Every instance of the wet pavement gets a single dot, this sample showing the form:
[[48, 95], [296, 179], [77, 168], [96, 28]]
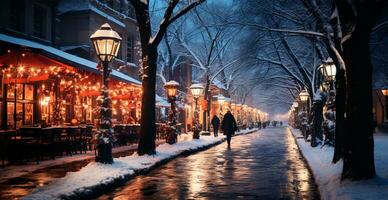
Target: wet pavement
[[18, 187], [263, 165]]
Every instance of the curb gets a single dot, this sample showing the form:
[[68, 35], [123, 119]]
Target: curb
[[306, 161], [98, 190]]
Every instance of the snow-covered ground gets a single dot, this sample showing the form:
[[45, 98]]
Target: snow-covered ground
[[96, 175], [14, 171], [327, 175]]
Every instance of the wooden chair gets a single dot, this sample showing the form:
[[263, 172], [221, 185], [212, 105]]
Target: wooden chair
[[5, 138], [47, 146], [86, 138], [27, 143]]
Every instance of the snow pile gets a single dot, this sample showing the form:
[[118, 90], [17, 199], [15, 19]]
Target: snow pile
[[97, 175], [318, 95], [327, 175]]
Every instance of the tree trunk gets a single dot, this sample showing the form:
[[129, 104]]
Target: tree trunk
[[148, 127], [148, 75], [149, 46], [317, 122], [359, 150], [208, 98], [340, 106]]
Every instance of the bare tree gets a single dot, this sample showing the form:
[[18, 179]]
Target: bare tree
[[208, 46], [343, 31], [149, 48]]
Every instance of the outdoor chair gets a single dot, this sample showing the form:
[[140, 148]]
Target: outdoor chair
[[75, 139], [86, 137], [64, 140], [5, 138], [26, 144], [46, 144], [120, 137]]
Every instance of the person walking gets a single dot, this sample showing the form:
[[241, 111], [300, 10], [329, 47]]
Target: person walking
[[216, 124], [228, 126]]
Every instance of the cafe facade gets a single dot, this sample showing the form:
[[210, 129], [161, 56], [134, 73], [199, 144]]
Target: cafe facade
[[44, 86]]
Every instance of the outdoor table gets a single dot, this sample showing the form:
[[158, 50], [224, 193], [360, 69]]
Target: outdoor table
[[126, 133], [5, 137]]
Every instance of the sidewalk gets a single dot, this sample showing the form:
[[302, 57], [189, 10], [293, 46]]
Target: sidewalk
[[95, 177], [327, 175], [19, 180]]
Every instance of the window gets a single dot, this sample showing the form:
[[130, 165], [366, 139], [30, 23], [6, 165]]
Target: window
[[11, 91], [17, 15], [24, 104], [28, 113], [129, 49], [40, 22], [29, 92]]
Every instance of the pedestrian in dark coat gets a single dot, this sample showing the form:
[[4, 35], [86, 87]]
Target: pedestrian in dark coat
[[216, 124], [228, 126]]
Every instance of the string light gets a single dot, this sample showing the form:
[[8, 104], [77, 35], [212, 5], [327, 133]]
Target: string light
[[78, 82]]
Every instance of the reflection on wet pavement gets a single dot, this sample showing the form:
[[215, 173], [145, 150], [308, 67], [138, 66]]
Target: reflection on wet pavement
[[263, 165], [16, 188]]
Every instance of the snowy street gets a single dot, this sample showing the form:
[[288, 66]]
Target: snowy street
[[262, 165], [193, 99], [81, 184]]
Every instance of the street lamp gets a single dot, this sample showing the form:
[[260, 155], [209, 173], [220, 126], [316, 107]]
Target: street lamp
[[106, 43], [304, 96], [196, 90], [328, 69], [171, 91]]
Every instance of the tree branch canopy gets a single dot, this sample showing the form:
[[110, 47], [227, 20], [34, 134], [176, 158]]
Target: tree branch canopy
[[167, 19]]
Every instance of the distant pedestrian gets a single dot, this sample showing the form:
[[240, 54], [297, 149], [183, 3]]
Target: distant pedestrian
[[228, 126], [216, 124]]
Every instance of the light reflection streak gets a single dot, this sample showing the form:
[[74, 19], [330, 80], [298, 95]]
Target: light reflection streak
[[297, 173]]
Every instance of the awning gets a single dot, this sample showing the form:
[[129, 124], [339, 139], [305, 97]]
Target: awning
[[66, 57]]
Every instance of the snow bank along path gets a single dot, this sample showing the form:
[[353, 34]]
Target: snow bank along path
[[328, 175], [96, 177]]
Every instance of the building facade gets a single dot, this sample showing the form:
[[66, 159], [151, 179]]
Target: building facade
[[84, 17], [49, 71]]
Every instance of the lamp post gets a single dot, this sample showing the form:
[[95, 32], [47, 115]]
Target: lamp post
[[303, 98], [106, 43], [196, 90], [233, 108], [295, 106], [171, 91], [221, 100], [328, 71]]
